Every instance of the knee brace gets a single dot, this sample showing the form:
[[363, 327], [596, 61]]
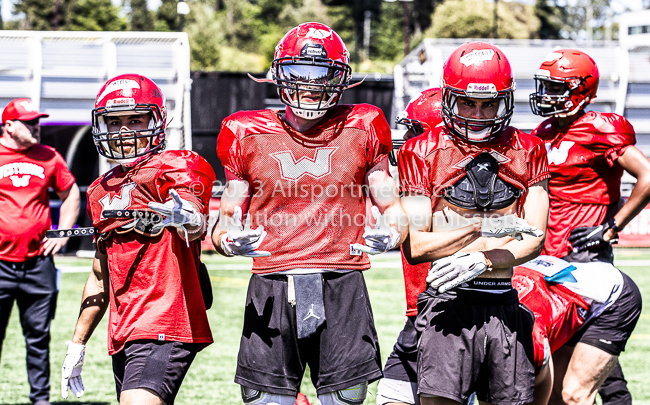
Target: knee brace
[[354, 395], [255, 397]]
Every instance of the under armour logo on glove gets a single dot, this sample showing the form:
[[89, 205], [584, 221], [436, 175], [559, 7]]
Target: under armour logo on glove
[[379, 239], [242, 241], [454, 270], [177, 213], [508, 225]]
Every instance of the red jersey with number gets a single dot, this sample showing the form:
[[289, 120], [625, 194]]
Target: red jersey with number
[[307, 188], [435, 160], [25, 176], [559, 312], [584, 176], [154, 277]]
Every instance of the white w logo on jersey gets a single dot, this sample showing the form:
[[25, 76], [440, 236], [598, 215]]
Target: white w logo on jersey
[[558, 156], [319, 166], [120, 201], [20, 181]]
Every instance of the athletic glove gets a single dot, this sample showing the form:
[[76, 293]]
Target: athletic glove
[[379, 239], [454, 270], [590, 237], [507, 225], [242, 241], [177, 213], [71, 371]]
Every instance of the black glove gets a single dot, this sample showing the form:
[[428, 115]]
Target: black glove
[[590, 237]]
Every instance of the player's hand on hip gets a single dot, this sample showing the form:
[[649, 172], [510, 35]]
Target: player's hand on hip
[[454, 270], [589, 237], [52, 246], [379, 239], [507, 225], [243, 241], [178, 213], [71, 371]]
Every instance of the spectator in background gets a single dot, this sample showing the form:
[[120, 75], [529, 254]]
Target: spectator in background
[[27, 273]]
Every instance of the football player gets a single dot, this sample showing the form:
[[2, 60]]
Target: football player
[[301, 174], [587, 153], [566, 299], [146, 270], [475, 193]]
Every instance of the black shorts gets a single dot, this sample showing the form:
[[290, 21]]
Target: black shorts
[[343, 352], [402, 364], [611, 330], [158, 366], [475, 341]]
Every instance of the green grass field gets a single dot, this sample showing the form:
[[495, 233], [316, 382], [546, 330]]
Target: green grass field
[[210, 379]]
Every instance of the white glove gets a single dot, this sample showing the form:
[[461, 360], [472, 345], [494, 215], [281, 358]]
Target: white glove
[[454, 270], [71, 371], [177, 213], [242, 241], [379, 239], [507, 225]]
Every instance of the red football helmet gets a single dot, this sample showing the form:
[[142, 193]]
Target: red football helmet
[[129, 94], [422, 112], [575, 72], [311, 69], [477, 70]]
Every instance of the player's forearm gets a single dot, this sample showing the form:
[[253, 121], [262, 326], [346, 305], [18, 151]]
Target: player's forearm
[[639, 199], [516, 252], [217, 234], [396, 217], [429, 246], [69, 210], [93, 306]]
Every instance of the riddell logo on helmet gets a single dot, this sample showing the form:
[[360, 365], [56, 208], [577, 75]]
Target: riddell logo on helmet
[[477, 56], [120, 102], [313, 51]]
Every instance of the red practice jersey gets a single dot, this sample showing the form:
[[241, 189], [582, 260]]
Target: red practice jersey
[[584, 176], [24, 202], [435, 160], [307, 189], [559, 312], [155, 291]]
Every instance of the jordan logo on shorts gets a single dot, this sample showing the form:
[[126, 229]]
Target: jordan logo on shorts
[[311, 314]]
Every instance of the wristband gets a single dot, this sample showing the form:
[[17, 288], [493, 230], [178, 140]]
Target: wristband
[[612, 225]]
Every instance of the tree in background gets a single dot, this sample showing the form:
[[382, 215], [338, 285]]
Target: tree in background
[[39, 14], [140, 18], [95, 15], [552, 19], [166, 16], [474, 19]]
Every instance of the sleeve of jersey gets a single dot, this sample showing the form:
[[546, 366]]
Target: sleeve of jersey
[[229, 150], [413, 171], [622, 138], [379, 142], [192, 178], [537, 164], [63, 178]]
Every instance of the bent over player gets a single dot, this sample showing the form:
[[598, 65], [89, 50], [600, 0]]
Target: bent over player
[[302, 174], [475, 193], [145, 270], [587, 153]]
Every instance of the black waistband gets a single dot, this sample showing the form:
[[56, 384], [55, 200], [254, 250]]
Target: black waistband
[[489, 284]]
